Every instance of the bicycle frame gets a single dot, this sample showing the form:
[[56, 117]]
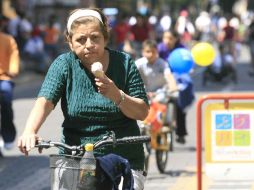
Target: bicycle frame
[[161, 131]]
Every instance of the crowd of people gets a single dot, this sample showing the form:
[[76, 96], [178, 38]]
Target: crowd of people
[[92, 105], [37, 44], [129, 31]]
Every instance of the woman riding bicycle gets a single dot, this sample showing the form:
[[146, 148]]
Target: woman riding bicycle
[[92, 106]]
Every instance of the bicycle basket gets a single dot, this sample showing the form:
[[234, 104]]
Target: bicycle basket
[[64, 171]]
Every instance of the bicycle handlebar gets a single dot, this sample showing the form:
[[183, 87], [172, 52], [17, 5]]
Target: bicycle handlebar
[[49, 144], [169, 95], [125, 140], [110, 140]]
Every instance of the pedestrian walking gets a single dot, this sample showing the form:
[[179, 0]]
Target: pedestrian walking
[[184, 101], [9, 68]]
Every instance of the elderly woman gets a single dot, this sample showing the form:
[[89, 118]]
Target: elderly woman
[[92, 105]]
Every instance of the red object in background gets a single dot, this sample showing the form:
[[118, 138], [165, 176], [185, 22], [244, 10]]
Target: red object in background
[[141, 33], [184, 13], [229, 32], [121, 31], [36, 32]]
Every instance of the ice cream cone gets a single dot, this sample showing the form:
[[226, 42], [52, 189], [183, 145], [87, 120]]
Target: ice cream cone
[[97, 70]]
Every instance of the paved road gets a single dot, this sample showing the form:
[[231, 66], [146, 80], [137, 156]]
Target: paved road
[[32, 173]]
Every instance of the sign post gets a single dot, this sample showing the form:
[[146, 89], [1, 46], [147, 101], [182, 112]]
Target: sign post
[[229, 136]]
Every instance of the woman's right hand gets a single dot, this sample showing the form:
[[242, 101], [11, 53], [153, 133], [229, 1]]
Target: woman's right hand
[[27, 141]]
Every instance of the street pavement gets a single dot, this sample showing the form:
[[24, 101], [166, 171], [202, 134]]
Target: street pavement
[[18, 172]]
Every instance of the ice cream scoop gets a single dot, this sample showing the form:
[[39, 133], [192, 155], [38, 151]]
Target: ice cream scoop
[[97, 70]]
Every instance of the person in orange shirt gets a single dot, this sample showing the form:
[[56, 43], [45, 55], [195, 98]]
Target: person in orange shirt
[[9, 68], [51, 37]]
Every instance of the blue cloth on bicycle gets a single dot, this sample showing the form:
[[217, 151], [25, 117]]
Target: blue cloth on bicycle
[[186, 90], [116, 167]]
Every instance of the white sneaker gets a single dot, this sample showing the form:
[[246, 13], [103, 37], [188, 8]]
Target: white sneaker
[[9, 145], [1, 144]]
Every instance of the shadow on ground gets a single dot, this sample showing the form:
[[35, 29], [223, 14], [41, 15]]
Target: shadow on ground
[[172, 173], [24, 173]]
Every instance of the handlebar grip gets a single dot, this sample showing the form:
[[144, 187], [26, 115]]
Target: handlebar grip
[[48, 144], [133, 140], [43, 144]]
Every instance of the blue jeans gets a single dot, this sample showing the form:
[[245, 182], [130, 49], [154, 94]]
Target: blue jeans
[[8, 130]]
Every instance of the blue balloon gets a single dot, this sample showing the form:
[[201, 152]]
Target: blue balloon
[[180, 60]]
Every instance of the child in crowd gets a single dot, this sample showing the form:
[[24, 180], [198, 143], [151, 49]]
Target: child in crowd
[[170, 41], [158, 80], [154, 71]]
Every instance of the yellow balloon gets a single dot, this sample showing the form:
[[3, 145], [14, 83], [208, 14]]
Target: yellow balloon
[[203, 54]]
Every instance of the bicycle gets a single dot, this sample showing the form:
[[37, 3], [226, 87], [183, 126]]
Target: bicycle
[[65, 169], [160, 125]]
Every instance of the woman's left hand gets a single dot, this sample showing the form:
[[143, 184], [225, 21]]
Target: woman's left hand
[[108, 88]]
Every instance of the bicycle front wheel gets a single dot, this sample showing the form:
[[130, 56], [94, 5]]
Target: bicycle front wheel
[[147, 146], [147, 150], [171, 113], [161, 152]]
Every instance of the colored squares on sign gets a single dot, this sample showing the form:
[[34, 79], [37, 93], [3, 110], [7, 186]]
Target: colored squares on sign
[[223, 121], [241, 121], [242, 138], [223, 138]]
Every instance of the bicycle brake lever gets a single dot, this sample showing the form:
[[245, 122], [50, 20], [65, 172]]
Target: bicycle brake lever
[[110, 137], [113, 137]]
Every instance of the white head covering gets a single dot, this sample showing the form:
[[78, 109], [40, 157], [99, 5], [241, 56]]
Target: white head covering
[[82, 13]]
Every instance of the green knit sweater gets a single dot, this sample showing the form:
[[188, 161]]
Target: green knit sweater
[[88, 115]]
